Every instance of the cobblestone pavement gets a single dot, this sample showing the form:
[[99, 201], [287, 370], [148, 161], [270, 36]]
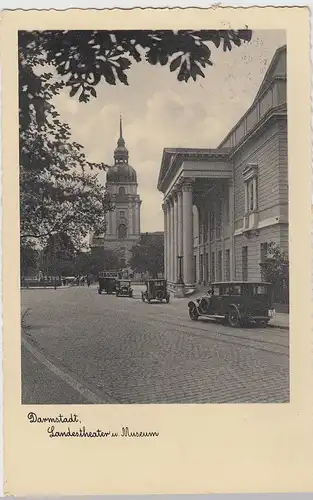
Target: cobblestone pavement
[[101, 348]]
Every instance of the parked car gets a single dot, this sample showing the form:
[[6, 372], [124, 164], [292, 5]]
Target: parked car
[[107, 284], [155, 290], [123, 288], [237, 303]]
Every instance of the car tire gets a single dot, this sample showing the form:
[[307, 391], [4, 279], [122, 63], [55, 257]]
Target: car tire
[[261, 323], [99, 291], [233, 318], [193, 313], [149, 301]]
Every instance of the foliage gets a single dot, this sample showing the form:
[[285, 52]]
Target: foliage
[[29, 260], [148, 255], [58, 192], [83, 59], [95, 261], [275, 269], [275, 266]]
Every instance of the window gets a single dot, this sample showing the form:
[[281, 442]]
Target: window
[[235, 290], [122, 214], [219, 265], [212, 226], [260, 290], [122, 231], [250, 175], [245, 263], [213, 267], [218, 220], [121, 191], [226, 210], [227, 265]]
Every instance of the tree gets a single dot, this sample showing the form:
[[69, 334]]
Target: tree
[[148, 255], [83, 59], [275, 269], [29, 259], [58, 191], [96, 261]]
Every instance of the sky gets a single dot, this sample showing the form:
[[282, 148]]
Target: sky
[[158, 112]]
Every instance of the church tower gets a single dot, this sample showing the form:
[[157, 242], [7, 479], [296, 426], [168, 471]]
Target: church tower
[[123, 223]]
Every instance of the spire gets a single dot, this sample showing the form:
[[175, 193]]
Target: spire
[[121, 127], [121, 153]]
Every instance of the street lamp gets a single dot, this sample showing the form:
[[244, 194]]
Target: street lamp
[[180, 275]]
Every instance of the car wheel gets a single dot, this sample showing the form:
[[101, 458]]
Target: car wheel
[[261, 323], [149, 301], [233, 318], [99, 291], [193, 313], [117, 294]]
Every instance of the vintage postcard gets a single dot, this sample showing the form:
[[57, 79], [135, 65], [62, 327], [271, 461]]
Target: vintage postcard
[[156, 237]]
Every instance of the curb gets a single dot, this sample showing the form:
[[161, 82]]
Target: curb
[[23, 313], [280, 327]]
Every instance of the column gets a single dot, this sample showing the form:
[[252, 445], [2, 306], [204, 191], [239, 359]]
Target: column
[[175, 227], [246, 197], [255, 201], [172, 249], [169, 245], [180, 223], [164, 208], [187, 234], [168, 241], [232, 228]]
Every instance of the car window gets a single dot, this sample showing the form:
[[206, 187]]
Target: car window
[[216, 290], [260, 290], [235, 290]]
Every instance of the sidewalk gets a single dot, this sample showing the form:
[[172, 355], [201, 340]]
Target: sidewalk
[[281, 320]]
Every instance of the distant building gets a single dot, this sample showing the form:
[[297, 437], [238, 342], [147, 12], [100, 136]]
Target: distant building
[[123, 223], [223, 206]]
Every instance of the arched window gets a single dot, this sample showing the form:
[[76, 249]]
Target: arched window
[[122, 231], [121, 191]]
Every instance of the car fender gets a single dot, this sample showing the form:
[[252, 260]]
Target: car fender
[[192, 303], [235, 306]]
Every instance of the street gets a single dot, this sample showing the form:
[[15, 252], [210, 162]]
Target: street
[[79, 347]]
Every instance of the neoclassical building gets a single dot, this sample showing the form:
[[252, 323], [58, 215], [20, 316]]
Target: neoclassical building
[[123, 223], [223, 206]]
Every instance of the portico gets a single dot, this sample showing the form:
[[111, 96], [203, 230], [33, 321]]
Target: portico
[[193, 183]]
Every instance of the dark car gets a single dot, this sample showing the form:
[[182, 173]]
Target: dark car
[[156, 290], [123, 288], [236, 303], [107, 285]]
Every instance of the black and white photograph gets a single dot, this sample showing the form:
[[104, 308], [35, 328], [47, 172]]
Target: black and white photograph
[[154, 215]]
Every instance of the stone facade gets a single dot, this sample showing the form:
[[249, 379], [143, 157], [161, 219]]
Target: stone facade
[[223, 206], [123, 223]]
